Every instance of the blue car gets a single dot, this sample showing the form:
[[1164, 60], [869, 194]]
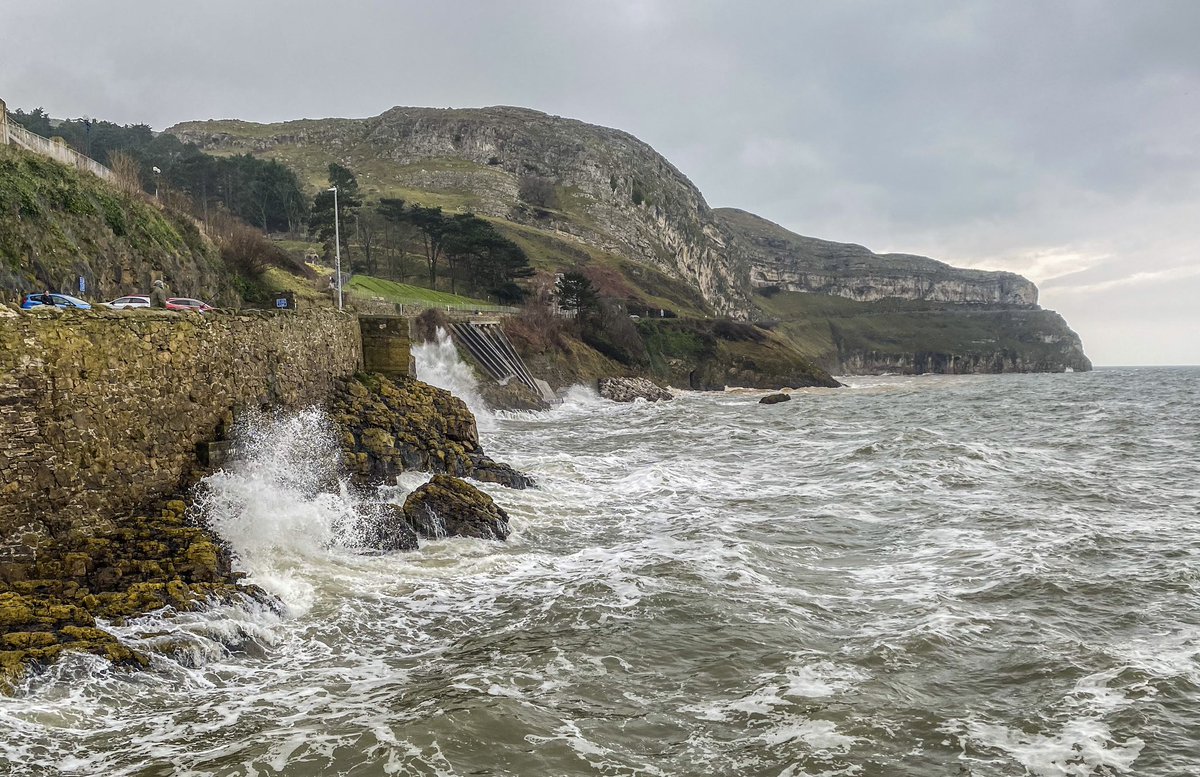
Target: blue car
[[58, 300]]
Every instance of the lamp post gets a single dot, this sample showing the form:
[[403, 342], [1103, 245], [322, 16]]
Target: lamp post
[[337, 243], [157, 172]]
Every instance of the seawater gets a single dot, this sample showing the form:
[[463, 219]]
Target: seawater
[[984, 575]]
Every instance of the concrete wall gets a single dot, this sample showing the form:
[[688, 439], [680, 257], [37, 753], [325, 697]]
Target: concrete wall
[[102, 411]]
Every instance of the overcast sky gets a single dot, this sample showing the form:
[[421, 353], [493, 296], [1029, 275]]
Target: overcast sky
[[1060, 140]]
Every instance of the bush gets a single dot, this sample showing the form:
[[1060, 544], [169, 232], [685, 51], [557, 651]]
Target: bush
[[537, 326], [737, 331], [538, 191], [248, 253], [610, 331]]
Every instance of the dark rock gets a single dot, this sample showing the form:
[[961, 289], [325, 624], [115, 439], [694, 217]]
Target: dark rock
[[773, 399], [449, 507], [629, 389], [388, 530], [513, 395]]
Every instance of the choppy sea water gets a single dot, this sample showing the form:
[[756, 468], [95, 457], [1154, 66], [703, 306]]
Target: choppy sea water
[[984, 575]]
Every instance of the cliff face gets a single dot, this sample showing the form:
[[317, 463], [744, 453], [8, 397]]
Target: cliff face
[[773, 256], [611, 190]]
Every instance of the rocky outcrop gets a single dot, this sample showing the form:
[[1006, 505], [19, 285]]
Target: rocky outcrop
[[52, 596], [388, 426], [630, 389], [776, 257], [449, 507], [775, 399]]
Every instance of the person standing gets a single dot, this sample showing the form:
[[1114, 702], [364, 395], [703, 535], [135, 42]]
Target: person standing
[[158, 295]]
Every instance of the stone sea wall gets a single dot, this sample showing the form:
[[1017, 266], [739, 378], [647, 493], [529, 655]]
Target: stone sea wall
[[102, 411]]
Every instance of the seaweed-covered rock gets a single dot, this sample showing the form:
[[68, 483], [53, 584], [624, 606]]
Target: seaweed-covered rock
[[388, 426], [629, 389], [449, 507], [133, 566], [774, 399]]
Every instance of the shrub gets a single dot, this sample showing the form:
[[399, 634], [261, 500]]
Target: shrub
[[538, 191]]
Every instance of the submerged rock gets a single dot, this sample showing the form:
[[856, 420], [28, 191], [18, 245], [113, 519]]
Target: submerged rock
[[629, 389], [388, 426], [450, 507], [773, 399]]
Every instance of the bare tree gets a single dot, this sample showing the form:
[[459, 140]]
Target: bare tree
[[126, 170]]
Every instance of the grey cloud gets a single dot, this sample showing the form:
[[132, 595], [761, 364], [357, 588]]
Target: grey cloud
[[1060, 139]]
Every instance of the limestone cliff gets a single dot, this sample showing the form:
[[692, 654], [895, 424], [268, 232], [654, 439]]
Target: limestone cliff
[[774, 256], [609, 201]]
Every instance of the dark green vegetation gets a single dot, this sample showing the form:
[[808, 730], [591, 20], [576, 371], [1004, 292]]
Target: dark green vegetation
[[712, 354], [57, 224], [261, 192]]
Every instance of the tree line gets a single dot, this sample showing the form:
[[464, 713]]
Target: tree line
[[459, 250], [261, 192]]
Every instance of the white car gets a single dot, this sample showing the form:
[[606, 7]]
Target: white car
[[135, 301]]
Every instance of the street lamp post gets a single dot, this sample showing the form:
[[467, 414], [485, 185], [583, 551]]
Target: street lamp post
[[337, 243]]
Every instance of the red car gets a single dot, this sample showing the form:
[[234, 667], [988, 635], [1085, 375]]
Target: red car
[[186, 303]]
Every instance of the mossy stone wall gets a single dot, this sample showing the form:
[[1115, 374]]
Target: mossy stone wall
[[102, 411]]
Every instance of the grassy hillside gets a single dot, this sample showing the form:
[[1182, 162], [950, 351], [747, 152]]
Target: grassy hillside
[[612, 197], [57, 224], [404, 294]]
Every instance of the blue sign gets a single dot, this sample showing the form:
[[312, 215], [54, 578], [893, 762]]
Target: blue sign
[[281, 303], [82, 284]]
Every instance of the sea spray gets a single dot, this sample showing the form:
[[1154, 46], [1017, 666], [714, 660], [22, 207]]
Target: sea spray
[[282, 504], [439, 364]]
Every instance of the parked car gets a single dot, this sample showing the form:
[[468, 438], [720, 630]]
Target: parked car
[[32, 301], [186, 303], [133, 301]]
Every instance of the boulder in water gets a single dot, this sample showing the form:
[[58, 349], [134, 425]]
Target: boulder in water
[[629, 389], [774, 399], [388, 531], [449, 507]]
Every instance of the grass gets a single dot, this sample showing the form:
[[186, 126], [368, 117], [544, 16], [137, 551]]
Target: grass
[[406, 294]]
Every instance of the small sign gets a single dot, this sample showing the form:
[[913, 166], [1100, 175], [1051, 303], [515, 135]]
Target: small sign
[[281, 303], [82, 284]]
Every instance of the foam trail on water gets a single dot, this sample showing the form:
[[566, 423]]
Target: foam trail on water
[[439, 364]]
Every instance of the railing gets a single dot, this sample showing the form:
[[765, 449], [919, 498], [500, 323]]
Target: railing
[[59, 152]]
